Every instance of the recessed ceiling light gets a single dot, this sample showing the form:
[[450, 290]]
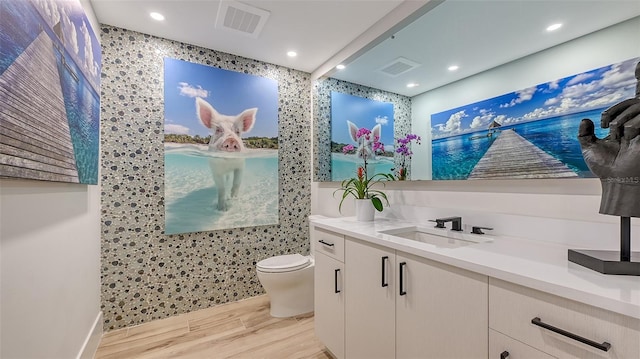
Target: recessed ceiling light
[[340, 67], [413, 84], [292, 54], [554, 27], [453, 67], [157, 16]]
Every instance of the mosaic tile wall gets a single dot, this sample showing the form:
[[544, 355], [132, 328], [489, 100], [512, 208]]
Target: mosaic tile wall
[[322, 114], [146, 274]]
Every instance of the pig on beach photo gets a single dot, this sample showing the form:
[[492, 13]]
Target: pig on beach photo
[[225, 137], [221, 157], [360, 125]]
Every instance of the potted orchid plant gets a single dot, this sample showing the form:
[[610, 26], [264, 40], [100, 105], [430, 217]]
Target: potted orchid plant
[[361, 187], [404, 149]]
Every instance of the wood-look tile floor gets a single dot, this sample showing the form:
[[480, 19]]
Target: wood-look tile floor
[[242, 329]]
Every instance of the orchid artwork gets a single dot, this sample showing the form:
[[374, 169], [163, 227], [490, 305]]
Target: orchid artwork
[[404, 149]]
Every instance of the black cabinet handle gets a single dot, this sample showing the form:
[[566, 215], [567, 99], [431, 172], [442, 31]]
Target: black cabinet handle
[[335, 281], [504, 355], [604, 346], [326, 243], [402, 291], [384, 272]]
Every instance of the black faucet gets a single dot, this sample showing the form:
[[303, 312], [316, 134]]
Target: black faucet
[[478, 229], [456, 223]]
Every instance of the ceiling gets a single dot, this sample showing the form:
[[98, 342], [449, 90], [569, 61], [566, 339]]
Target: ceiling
[[315, 29], [477, 35]]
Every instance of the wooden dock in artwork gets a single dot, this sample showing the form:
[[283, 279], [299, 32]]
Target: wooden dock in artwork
[[512, 156], [35, 141]]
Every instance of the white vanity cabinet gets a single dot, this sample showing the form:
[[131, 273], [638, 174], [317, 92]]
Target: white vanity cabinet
[[403, 306], [329, 290], [379, 297], [559, 326]]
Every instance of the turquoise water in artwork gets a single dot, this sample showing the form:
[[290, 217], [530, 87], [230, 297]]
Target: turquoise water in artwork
[[191, 195], [455, 157], [346, 166], [82, 104], [21, 24]]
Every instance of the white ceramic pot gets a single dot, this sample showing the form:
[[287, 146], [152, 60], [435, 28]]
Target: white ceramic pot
[[365, 210]]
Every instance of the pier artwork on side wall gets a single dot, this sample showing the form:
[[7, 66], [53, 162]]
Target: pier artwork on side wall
[[49, 92], [531, 133], [220, 150], [350, 116]]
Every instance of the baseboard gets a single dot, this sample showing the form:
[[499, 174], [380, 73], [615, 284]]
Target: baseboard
[[90, 345]]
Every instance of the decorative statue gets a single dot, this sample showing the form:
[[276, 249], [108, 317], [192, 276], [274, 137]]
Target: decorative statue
[[616, 158]]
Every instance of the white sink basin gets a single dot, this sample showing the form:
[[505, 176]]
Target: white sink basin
[[442, 238]]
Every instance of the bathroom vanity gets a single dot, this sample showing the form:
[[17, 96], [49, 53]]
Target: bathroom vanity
[[400, 289]]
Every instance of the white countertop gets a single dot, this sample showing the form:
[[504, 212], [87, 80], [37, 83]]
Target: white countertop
[[536, 264]]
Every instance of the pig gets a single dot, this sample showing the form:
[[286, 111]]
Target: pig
[[225, 137], [365, 145]]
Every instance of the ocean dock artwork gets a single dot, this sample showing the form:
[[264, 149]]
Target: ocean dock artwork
[[527, 134], [512, 156], [49, 92]]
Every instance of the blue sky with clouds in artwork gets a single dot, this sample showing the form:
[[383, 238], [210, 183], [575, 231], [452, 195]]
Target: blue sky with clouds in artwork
[[599, 88], [363, 112], [229, 92]]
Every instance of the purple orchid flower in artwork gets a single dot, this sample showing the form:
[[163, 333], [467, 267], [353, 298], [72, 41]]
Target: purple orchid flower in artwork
[[404, 149]]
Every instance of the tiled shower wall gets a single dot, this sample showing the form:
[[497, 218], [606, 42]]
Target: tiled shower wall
[[146, 274], [322, 114]]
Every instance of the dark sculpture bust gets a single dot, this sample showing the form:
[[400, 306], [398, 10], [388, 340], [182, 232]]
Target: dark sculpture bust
[[616, 158]]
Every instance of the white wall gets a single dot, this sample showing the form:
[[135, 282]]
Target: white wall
[[49, 267], [576, 199]]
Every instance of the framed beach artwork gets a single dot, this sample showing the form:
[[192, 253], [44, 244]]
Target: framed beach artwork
[[221, 148], [531, 133], [351, 115], [50, 92]]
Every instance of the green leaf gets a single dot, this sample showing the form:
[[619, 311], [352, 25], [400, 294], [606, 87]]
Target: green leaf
[[377, 203]]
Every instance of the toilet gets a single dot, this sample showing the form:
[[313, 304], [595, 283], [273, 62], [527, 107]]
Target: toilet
[[288, 281]]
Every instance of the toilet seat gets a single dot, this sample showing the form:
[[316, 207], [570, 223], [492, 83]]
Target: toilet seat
[[284, 263]]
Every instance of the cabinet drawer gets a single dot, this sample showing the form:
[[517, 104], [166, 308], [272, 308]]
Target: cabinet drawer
[[503, 347], [329, 243], [512, 309]]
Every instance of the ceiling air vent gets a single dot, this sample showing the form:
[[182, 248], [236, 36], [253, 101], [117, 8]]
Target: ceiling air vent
[[241, 18], [398, 66]]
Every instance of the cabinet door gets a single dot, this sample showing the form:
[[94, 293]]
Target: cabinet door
[[370, 302], [442, 312], [329, 303]]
